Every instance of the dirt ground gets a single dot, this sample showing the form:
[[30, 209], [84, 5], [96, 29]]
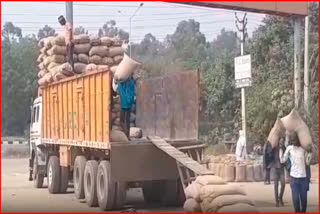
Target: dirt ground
[[19, 195]]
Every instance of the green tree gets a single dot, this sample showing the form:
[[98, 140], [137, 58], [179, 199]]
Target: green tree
[[110, 29], [80, 30], [45, 32]]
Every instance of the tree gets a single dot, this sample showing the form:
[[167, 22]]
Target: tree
[[45, 32], [80, 30], [110, 29], [10, 32]]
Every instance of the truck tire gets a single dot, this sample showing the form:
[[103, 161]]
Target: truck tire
[[37, 177], [105, 187], [78, 172], [120, 195], [64, 179], [90, 183], [152, 191], [53, 175]]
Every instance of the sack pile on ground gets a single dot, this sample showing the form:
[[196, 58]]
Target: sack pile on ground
[[210, 193], [231, 170]]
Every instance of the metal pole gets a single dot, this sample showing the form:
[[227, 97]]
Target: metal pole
[[69, 12], [306, 64], [243, 93], [297, 62]]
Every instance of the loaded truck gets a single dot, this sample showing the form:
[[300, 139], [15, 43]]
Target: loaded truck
[[70, 139]]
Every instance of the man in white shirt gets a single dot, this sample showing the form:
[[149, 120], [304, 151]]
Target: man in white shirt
[[241, 149], [298, 178]]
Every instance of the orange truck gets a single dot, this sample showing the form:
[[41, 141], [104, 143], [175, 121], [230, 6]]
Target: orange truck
[[70, 138]]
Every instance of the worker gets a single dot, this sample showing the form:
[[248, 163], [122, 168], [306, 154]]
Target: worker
[[298, 178], [267, 161], [241, 149], [68, 38], [279, 173], [127, 91]]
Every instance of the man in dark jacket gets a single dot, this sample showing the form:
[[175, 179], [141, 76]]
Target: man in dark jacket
[[267, 161], [279, 174]]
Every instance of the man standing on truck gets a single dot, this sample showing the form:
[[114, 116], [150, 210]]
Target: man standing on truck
[[68, 38], [127, 92]]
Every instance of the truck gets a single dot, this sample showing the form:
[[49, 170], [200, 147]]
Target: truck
[[70, 139]]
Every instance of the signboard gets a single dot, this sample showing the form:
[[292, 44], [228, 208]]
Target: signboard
[[242, 68]]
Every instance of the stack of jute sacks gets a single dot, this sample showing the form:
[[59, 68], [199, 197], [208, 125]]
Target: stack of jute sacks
[[231, 170], [211, 193], [52, 60]]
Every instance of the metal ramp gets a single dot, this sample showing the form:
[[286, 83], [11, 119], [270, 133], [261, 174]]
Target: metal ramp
[[188, 168]]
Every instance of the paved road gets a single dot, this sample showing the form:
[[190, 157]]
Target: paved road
[[18, 195]]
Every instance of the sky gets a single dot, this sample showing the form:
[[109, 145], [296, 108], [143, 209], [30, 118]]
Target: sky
[[158, 18]]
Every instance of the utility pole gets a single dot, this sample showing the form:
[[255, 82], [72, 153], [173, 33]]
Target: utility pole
[[297, 61], [306, 64], [242, 29], [69, 31]]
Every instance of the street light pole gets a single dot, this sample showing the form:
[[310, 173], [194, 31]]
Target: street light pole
[[130, 19]]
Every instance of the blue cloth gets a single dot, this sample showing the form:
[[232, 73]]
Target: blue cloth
[[127, 91], [299, 194]]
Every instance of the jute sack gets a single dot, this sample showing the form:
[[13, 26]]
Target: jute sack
[[209, 180], [64, 69], [240, 173], [42, 81], [107, 41], [114, 69], [83, 58], [43, 51], [191, 206], [116, 122], [193, 191], [229, 173], [59, 76], [126, 68], [294, 122], [117, 59], [276, 133], [41, 43], [58, 40], [116, 128], [115, 51], [257, 172], [236, 208], [135, 132], [95, 59], [224, 200], [40, 57], [118, 136], [41, 73], [249, 173], [82, 48], [52, 65], [48, 78], [116, 42], [95, 41], [99, 50], [107, 61], [47, 42], [81, 39], [57, 50], [210, 192], [91, 67], [41, 66], [54, 58], [79, 68], [102, 68]]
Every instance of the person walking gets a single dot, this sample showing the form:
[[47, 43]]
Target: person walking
[[299, 159], [267, 161], [279, 174]]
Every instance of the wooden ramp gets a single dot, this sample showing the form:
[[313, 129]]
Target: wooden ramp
[[188, 168]]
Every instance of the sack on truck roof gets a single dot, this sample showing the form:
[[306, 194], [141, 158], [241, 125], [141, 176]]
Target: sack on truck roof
[[58, 40], [95, 59], [79, 67], [115, 51], [99, 50], [57, 50], [106, 41], [81, 39], [117, 59], [82, 48], [107, 61], [95, 41], [83, 58]]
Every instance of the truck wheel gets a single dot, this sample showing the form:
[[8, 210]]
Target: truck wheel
[[90, 183], [53, 174], [152, 191], [121, 194], [78, 172], [105, 187], [37, 177], [64, 179]]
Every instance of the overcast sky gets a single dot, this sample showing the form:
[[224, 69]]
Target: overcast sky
[[158, 18]]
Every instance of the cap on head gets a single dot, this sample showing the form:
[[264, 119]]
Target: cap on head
[[62, 20]]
